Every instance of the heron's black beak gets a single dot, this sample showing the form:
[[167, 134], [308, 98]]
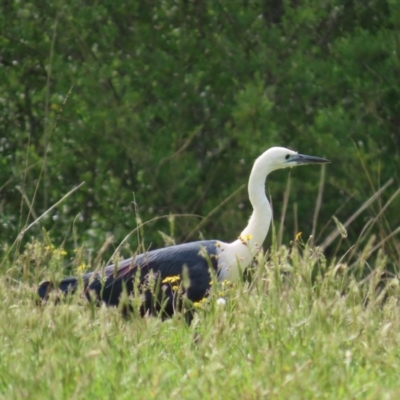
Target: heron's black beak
[[303, 159]]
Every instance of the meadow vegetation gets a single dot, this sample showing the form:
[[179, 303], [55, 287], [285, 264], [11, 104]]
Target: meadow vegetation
[[302, 328]]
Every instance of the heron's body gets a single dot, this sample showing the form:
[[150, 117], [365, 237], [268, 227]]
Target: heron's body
[[228, 260]]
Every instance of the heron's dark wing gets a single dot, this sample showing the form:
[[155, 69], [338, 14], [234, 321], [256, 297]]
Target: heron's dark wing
[[161, 268], [107, 285], [162, 264]]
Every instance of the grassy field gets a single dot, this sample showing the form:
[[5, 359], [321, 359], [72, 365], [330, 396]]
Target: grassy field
[[302, 329]]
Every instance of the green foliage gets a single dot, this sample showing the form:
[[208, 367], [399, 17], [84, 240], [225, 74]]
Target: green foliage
[[161, 108]]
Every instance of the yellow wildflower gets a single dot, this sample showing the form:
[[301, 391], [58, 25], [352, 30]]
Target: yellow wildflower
[[56, 252], [298, 236], [200, 303], [171, 279], [245, 238], [81, 268]]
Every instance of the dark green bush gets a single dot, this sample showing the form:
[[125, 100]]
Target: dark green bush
[[166, 104]]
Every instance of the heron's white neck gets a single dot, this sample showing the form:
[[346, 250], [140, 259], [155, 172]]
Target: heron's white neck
[[257, 228], [240, 253]]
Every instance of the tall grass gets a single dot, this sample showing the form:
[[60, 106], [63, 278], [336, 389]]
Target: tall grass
[[302, 328]]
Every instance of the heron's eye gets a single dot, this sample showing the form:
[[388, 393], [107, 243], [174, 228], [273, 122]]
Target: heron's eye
[[287, 157]]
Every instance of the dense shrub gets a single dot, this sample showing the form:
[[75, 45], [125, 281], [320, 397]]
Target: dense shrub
[[161, 107]]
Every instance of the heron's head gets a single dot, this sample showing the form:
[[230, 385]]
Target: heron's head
[[280, 157]]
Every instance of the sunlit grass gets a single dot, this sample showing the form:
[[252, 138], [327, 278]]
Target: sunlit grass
[[300, 329]]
